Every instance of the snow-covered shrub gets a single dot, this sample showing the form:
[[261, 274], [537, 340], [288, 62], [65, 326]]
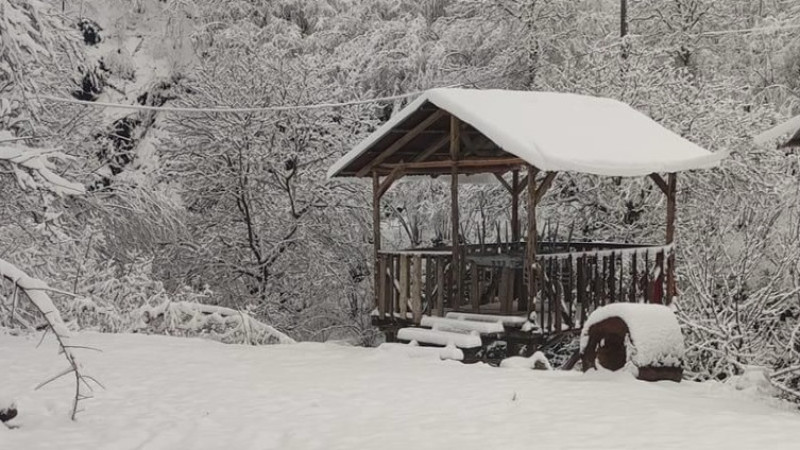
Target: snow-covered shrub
[[537, 361], [120, 63], [216, 322]]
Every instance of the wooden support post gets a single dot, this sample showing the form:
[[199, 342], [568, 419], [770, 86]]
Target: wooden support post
[[376, 237], [455, 141], [671, 207], [416, 289], [531, 242], [515, 206]]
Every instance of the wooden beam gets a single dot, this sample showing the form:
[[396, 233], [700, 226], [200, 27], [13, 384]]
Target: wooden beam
[[448, 164], [376, 235], [433, 149], [455, 144], [660, 183], [447, 171], [548, 180], [400, 143], [522, 184], [531, 241], [504, 183], [671, 210], [393, 176]]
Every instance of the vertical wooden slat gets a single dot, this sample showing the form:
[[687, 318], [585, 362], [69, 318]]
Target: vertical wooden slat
[[382, 291], [503, 290], [598, 283], [634, 276], [475, 291], [604, 295], [568, 296], [658, 282], [427, 285], [581, 261], [403, 300], [646, 278], [440, 262], [392, 290], [621, 293], [612, 278], [455, 143], [555, 282], [416, 289]]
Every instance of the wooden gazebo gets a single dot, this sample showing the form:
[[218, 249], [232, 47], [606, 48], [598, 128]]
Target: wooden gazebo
[[525, 139]]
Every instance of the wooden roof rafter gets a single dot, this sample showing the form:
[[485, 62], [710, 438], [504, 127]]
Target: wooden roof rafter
[[401, 142]]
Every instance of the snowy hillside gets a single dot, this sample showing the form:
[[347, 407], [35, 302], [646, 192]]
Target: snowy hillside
[[172, 393]]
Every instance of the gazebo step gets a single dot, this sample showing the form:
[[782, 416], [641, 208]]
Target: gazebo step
[[439, 338], [461, 326], [507, 321]]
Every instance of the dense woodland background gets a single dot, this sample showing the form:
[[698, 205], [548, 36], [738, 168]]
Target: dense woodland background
[[144, 216]]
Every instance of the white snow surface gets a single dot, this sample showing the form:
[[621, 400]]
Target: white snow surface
[[177, 393], [413, 350], [654, 332], [560, 132], [522, 362], [436, 337]]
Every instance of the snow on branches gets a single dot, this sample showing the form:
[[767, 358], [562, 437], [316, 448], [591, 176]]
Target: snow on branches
[[220, 323], [34, 167]]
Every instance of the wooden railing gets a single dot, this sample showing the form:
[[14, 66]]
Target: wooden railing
[[571, 285], [572, 279], [412, 283]]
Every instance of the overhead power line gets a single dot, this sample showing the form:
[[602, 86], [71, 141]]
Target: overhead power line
[[767, 29], [228, 110], [217, 109]]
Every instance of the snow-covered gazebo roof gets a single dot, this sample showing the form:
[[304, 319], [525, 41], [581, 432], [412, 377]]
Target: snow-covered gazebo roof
[[550, 131], [790, 126]]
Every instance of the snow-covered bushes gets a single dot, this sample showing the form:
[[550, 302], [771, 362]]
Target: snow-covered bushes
[[219, 323], [740, 272]]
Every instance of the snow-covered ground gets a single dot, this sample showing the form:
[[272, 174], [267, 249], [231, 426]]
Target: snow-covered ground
[[172, 393]]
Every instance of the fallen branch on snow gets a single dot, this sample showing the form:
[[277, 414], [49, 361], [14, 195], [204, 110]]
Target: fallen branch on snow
[[36, 291]]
